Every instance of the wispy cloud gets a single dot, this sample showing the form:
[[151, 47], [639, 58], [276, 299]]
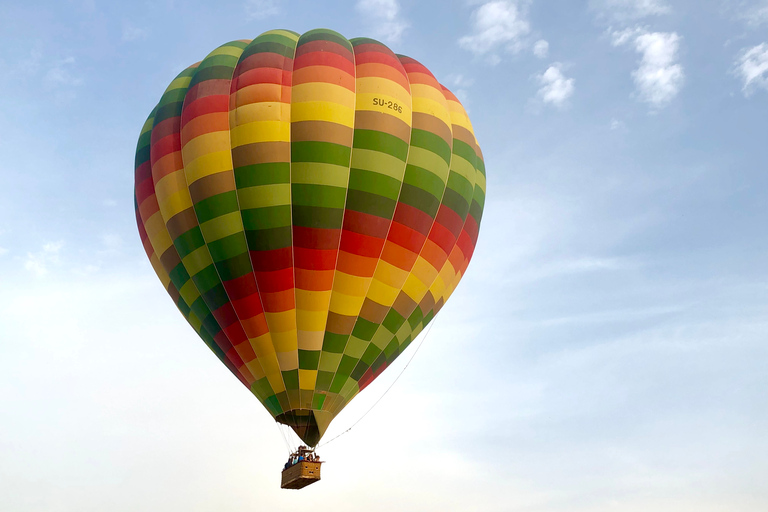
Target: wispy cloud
[[31, 64], [383, 17], [112, 244], [579, 265], [752, 67], [3, 251], [541, 49], [60, 74], [98, 260], [260, 9], [133, 33], [500, 25], [459, 80], [756, 14], [39, 262], [628, 10], [615, 315], [621, 37], [659, 76], [555, 88], [460, 85]]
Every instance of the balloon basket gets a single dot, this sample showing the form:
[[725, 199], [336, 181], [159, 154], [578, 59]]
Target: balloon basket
[[300, 471]]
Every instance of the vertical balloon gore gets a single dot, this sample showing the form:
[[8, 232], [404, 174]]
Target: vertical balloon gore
[[309, 203]]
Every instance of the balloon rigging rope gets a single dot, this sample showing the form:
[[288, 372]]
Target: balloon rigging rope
[[288, 438], [285, 439], [426, 334]]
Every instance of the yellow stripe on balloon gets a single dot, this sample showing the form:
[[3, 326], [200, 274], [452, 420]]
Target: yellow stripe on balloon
[[260, 131], [264, 196], [197, 260], [378, 162], [319, 173], [323, 111], [222, 226], [189, 292], [429, 161], [158, 235], [382, 293], [322, 92], [347, 305]]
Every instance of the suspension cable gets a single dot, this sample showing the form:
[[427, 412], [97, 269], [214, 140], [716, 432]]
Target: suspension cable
[[285, 439], [423, 339]]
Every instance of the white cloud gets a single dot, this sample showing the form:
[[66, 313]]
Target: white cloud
[[541, 48], [109, 202], [752, 68], [620, 37], [659, 77], [498, 25], [555, 88], [383, 16], [40, 262], [60, 73], [755, 15], [624, 10], [260, 9], [3, 251], [132, 32]]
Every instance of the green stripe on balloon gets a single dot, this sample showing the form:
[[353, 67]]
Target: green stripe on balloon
[[206, 280], [200, 319]]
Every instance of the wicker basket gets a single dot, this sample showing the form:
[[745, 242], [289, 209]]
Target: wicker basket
[[301, 475]]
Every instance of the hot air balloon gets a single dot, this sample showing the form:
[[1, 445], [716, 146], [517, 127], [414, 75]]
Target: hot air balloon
[[309, 203]]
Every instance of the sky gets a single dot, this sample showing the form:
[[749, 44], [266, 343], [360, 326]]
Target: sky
[[606, 350]]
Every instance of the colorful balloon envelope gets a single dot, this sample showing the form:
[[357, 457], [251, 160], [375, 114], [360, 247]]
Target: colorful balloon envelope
[[309, 203]]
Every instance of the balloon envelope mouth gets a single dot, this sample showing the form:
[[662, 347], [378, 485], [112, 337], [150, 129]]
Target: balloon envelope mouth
[[303, 422]]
